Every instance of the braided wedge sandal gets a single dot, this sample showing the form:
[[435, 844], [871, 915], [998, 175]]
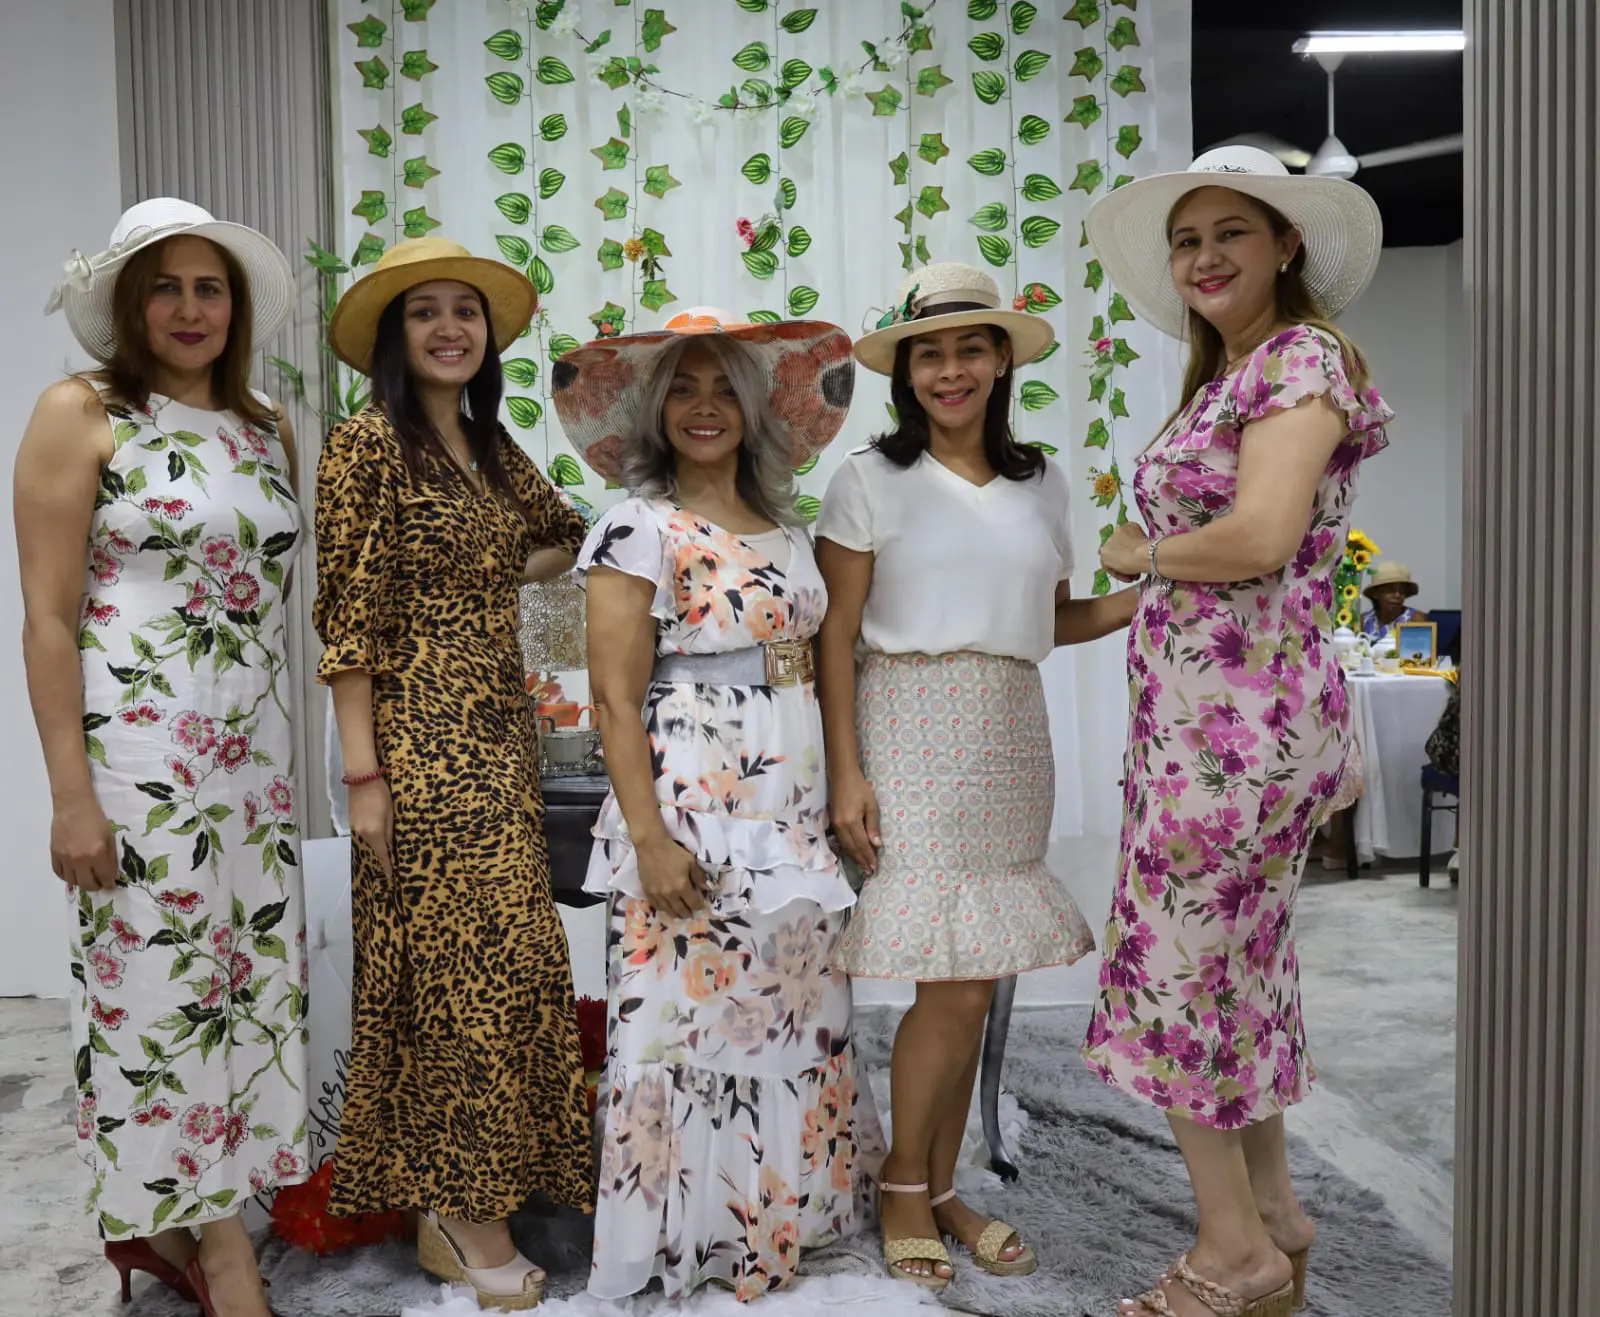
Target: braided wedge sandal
[[1298, 1262], [1218, 1298], [991, 1244], [497, 1289], [898, 1251]]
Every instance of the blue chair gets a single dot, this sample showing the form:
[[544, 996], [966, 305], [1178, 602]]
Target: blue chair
[[1447, 633], [1436, 784]]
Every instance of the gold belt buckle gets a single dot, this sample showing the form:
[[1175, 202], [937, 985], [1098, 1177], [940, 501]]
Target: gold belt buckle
[[789, 663]]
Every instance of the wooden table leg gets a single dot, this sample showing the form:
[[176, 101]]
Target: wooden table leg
[[995, 1031]]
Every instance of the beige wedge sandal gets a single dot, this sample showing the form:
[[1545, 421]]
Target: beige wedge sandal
[[1218, 1298], [1298, 1262], [898, 1251], [992, 1243], [498, 1289]]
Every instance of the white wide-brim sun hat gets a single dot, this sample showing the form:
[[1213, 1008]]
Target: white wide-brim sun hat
[[85, 292], [1339, 225], [950, 295]]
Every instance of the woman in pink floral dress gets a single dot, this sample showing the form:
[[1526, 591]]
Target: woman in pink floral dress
[[1240, 726], [161, 689], [736, 1122]]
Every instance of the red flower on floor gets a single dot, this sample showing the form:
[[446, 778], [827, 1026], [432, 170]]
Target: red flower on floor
[[300, 1217]]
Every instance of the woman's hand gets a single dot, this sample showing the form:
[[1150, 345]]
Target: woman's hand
[[671, 877], [372, 821], [83, 851], [853, 811], [1126, 555]]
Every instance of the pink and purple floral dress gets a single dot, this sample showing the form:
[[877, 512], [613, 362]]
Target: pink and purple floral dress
[[1236, 746]]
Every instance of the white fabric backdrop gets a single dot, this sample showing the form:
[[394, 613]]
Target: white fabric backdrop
[[897, 164]]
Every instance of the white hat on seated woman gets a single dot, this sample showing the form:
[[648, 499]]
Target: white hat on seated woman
[[1340, 227]]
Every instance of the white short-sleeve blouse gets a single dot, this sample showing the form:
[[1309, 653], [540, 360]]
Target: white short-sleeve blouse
[[957, 566]]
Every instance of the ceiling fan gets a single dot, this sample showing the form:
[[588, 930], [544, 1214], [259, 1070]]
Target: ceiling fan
[[1333, 158]]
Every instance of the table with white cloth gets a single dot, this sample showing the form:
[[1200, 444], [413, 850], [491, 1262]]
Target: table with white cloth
[[1393, 716]]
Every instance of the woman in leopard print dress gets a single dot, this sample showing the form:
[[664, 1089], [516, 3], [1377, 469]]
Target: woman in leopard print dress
[[466, 1089]]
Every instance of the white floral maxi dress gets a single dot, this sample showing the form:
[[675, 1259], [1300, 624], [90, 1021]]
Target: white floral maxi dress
[[190, 1021], [738, 1127]]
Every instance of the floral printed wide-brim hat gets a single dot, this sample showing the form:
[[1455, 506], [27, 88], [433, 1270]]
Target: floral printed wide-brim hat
[[807, 364]]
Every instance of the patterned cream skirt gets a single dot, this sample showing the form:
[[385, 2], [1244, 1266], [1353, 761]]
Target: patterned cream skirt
[[957, 748]]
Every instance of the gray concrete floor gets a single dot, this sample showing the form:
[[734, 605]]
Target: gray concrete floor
[[1378, 971]]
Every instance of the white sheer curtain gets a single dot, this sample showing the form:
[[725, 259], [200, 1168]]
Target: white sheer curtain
[[982, 134]]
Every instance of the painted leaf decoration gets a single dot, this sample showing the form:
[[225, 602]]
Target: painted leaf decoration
[[1122, 34], [614, 205], [524, 411], [557, 239], [1094, 276], [414, 119], [1099, 434], [992, 217], [506, 44], [505, 87], [508, 158], [1119, 309], [1048, 352], [921, 248], [655, 294], [658, 181], [520, 371], [1085, 13], [1128, 140], [990, 162], [1036, 395], [517, 251], [764, 318], [808, 466], [930, 201], [377, 139], [560, 345], [654, 28], [553, 127], [758, 168], [807, 507], [368, 250], [613, 155], [1022, 16], [515, 206], [655, 243], [369, 32], [1121, 353], [416, 11], [933, 149], [416, 65], [552, 71], [761, 264], [1127, 80], [1086, 64], [1030, 64], [981, 11], [799, 241], [543, 276], [795, 72], [885, 101], [1039, 229], [900, 167], [989, 85], [802, 300], [931, 80], [610, 255], [372, 207], [787, 193], [798, 20], [757, 89], [996, 250], [766, 239], [754, 57], [417, 223], [792, 130], [755, 6], [565, 472], [1085, 111], [1119, 403], [417, 171], [1040, 187], [1089, 176], [987, 45], [903, 217], [374, 73], [550, 181], [1031, 129]]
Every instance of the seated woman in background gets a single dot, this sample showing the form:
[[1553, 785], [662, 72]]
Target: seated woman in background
[[1391, 585]]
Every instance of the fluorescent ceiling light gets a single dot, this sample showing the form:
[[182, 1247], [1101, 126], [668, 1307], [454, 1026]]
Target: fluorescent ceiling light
[[1380, 43]]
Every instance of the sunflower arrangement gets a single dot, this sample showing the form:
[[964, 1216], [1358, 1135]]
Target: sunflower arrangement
[[1359, 553]]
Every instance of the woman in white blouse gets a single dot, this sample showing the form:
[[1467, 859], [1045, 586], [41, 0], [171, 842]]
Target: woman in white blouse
[[947, 548]]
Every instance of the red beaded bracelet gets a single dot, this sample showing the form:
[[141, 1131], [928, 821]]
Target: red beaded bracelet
[[361, 780]]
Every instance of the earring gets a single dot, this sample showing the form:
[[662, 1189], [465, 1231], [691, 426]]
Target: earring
[[1284, 268]]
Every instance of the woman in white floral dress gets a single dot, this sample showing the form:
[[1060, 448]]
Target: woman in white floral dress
[[736, 1122], [160, 686]]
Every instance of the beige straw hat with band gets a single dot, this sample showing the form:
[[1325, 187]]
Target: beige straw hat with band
[[950, 295], [353, 330]]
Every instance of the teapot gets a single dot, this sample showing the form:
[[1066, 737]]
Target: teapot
[[1344, 645], [565, 750]]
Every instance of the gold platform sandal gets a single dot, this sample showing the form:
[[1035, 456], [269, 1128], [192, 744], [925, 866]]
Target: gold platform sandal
[[1218, 1298], [498, 1289], [897, 1251], [991, 1244]]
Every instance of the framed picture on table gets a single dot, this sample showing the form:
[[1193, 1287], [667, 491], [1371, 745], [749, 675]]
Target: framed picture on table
[[1416, 644]]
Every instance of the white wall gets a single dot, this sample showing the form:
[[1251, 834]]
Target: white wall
[[1409, 323], [59, 158]]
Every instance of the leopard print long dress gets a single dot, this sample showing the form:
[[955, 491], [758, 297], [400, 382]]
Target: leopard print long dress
[[465, 1086]]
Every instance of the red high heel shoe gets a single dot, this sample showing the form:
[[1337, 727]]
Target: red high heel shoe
[[130, 1255], [202, 1292]]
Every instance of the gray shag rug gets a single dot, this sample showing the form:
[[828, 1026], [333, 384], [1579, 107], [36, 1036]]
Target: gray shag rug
[[1102, 1197]]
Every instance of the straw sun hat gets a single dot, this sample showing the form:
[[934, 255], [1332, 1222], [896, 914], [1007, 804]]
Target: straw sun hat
[[1391, 573], [354, 328], [1338, 222], [85, 293], [599, 388], [950, 295]]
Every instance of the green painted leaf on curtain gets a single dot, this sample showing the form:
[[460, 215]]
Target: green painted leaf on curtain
[[996, 250], [989, 85], [613, 155], [1085, 13], [506, 44], [524, 411], [550, 181], [1122, 34], [516, 250], [552, 72], [931, 80], [1031, 129], [372, 207], [1040, 187], [508, 157], [555, 238], [374, 73], [520, 371], [417, 223], [560, 345], [1128, 140], [758, 168], [1088, 178], [654, 28], [1094, 276], [802, 300], [1022, 16], [658, 181], [377, 139], [987, 45], [610, 255], [369, 32], [1030, 64], [798, 20], [761, 264], [885, 101], [900, 167], [1039, 229], [553, 127], [799, 241], [1085, 111], [933, 149], [416, 65], [786, 194], [992, 217], [505, 87], [981, 11], [654, 243], [515, 206], [991, 161], [414, 119], [753, 58], [1119, 310], [1037, 395], [1099, 434], [792, 130], [1127, 80], [655, 294], [417, 171], [795, 72], [930, 201], [614, 205], [1086, 64]]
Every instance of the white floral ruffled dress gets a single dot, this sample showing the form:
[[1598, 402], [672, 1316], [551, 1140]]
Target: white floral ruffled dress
[[738, 1128]]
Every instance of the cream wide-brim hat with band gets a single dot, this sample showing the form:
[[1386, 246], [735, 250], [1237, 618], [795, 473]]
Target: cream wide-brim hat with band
[[950, 295], [353, 331], [1340, 228], [1390, 573], [87, 289]]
